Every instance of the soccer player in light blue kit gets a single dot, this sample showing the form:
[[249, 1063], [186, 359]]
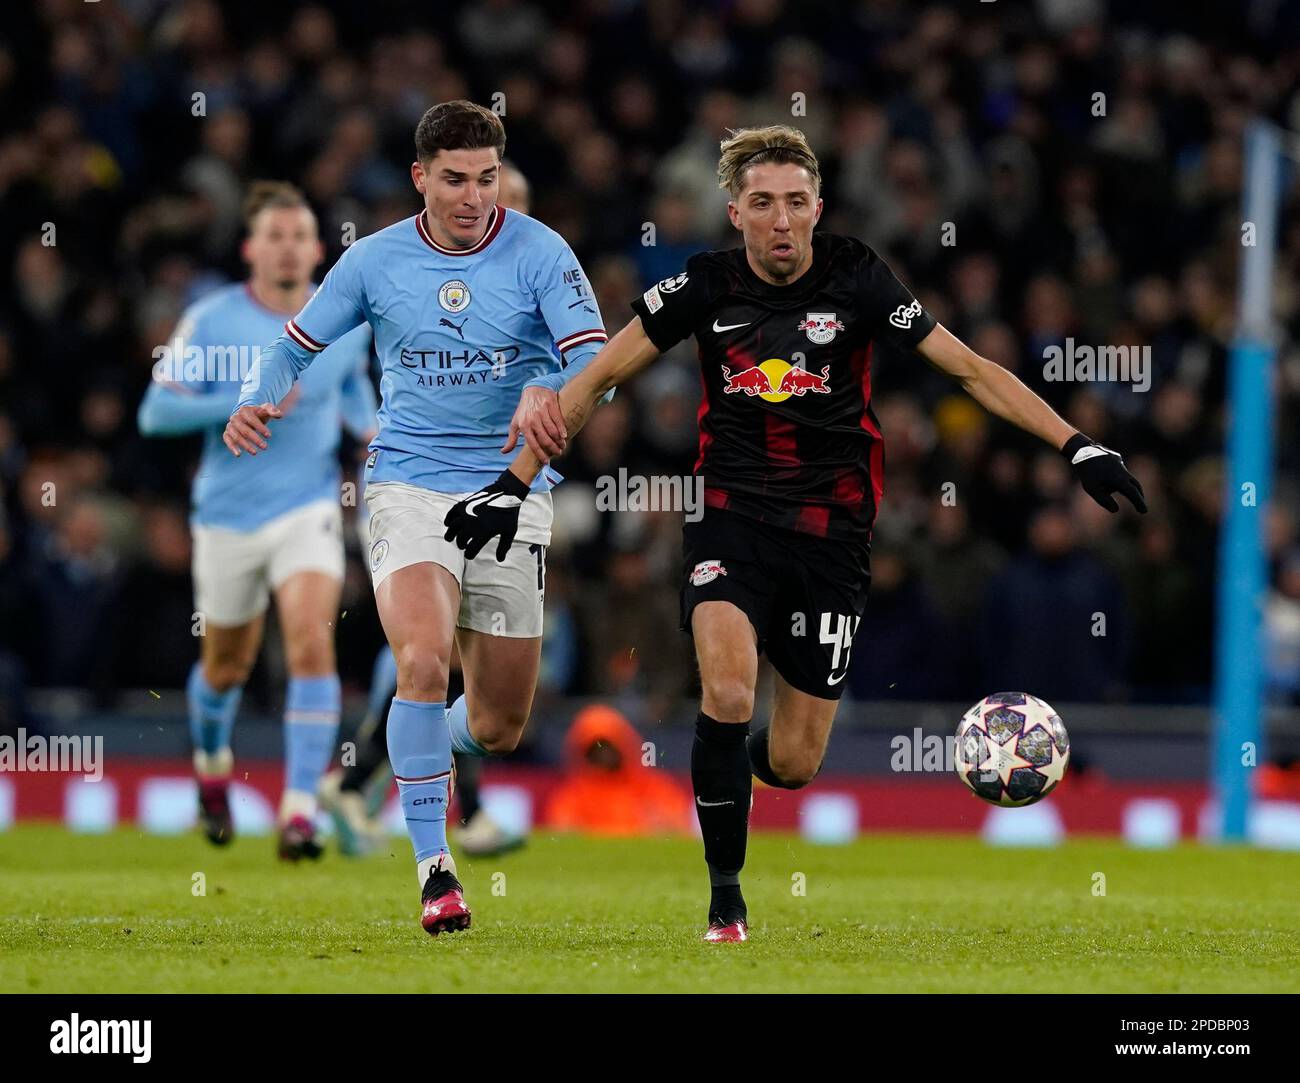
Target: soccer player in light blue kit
[[349, 794], [273, 526], [475, 309]]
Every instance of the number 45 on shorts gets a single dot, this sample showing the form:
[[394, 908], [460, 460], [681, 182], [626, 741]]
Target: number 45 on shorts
[[836, 630]]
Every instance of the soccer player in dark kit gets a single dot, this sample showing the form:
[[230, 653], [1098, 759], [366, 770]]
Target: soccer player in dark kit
[[791, 457]]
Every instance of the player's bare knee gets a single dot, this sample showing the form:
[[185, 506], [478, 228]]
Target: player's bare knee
[[499, 743], [500, 735], [729, 700], [227, 673], [310, 656], [421, 673]]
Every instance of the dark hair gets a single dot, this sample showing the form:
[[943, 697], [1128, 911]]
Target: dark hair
[[458, 125], [266, 193]]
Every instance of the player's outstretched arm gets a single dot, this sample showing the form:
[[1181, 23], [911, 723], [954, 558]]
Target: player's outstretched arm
[[537, 418], [626, 354], [175, 409], [271, 380], [1100, 470], [493, 512], [246, 428], [333, 310]]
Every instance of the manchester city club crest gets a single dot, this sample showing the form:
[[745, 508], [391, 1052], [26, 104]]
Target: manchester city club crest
[[454, 296], [821, 327]]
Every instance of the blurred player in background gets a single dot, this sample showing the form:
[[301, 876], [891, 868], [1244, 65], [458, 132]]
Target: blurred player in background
[[792, 460], [475, 308], [273, 527], [354, 795]]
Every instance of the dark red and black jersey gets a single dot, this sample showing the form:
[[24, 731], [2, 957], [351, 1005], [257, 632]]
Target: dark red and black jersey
[[787, 433]]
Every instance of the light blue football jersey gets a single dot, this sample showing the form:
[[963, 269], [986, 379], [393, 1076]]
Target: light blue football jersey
[[217, 343], [459, 334]]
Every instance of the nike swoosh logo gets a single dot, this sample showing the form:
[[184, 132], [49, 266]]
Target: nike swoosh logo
[[712, 804], [729, 327], [475, 501]]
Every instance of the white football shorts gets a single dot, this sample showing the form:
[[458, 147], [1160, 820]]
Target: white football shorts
[[236, 570], [500, 599]]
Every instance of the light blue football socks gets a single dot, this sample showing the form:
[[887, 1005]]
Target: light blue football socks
[[211, 713], [419, 748], [462, 740], [311, 728], [383, 683]]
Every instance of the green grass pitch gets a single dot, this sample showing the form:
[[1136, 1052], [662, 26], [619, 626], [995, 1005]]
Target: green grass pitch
[[117, 913]]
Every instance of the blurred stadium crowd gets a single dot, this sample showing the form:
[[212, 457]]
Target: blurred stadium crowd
[[1120, 229]]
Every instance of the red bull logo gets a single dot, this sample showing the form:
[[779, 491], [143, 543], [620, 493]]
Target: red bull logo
[[776, 380], [706, 571], [751, 381], [799, 381], [821, 327]]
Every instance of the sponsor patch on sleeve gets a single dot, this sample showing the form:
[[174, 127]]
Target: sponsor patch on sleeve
[[653, 301]]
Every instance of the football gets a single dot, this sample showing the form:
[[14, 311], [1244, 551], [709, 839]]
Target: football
[[1012, 749]]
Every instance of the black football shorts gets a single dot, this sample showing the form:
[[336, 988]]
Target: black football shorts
[[803, 594]]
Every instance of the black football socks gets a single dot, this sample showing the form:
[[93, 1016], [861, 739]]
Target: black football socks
[[759, 760], [720, 774], [372, 754], [468, 769]]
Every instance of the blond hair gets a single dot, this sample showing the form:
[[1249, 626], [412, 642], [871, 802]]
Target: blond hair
[[745, 147], [265, 194]]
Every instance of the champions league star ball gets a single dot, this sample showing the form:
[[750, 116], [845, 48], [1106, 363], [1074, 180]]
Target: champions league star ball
[[1012, 749]]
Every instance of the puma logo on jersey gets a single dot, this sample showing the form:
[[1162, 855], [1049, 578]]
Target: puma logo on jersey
[[457, 327]]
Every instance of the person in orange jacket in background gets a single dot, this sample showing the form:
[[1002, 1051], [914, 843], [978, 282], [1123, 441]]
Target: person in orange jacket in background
[[606, 790], [1279, 780]]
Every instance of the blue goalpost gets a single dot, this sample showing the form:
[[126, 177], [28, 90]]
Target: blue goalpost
[[1239, 679]]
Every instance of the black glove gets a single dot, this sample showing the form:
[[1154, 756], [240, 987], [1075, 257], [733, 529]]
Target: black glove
[[489, 513], [1101, 472]]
